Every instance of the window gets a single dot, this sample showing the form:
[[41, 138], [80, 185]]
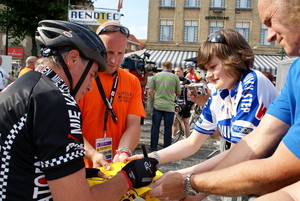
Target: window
[[190, 31], [217, 3], [243, 29], [243, 3], [215, 26], [192, 3], [133, 48], [166, 30], [264, 35], [167, 3]]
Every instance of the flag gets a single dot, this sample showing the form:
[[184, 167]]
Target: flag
[[120, 4]]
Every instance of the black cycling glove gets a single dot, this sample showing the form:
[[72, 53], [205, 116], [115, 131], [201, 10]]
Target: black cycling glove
[[91, 172], [141, 171]]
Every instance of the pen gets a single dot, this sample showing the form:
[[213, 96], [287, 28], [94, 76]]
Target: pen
[[144, 151]]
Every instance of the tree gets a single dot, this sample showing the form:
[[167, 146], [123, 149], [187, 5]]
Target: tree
[[20, 17]]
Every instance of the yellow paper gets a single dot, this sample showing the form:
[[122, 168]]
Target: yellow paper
[[140, 193]]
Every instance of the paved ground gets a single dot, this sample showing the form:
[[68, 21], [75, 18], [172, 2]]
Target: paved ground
[[209, 146]]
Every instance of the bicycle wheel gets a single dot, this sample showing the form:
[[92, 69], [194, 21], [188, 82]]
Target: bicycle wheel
[[194, 117], [179, 133]]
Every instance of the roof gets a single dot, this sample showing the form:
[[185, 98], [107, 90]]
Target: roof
[[179, 58]]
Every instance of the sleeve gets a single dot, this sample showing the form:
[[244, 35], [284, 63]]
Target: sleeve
[[57, 134], [207, 122], [136, 105], [281, 107], [199, 78], [5, 74], [178, 84]]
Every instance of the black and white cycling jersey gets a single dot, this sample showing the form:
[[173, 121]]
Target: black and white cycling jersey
[[40, 135]]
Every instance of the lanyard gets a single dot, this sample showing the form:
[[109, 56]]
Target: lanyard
[[109, 102]]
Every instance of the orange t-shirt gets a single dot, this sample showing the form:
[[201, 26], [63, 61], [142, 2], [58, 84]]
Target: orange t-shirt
[[24, 70], [126, 101]]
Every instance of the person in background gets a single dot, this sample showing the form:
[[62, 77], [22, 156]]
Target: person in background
[[41, 141], [162, 90], [184, 102], [142, 73], [192, 74], [4, 76], [265, 162], [112, 112], [30, 65]]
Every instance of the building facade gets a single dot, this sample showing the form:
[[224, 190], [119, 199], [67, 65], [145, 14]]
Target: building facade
[[184, 24]]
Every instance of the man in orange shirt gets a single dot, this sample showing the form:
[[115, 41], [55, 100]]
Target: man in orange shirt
[[30, 65], [112, 111]]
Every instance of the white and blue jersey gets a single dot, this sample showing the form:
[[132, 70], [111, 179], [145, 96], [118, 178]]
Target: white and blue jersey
[[236, 112], [287, 108]]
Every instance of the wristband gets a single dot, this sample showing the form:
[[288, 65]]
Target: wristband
[[127, 178], [124, 150], [156, 156]]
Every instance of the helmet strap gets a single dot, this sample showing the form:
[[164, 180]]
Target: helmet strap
[[83, 76], [67, 72]]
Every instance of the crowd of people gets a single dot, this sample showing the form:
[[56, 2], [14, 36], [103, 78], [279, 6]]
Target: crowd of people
[[76, 109]]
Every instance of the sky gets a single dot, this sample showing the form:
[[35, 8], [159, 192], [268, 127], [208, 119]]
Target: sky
[[135, 14]]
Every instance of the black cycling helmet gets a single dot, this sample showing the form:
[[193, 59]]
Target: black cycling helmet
[[57, 35]]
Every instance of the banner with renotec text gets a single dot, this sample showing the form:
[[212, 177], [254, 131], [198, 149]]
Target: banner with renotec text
[[92, 17]]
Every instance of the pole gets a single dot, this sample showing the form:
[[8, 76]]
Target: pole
[[6, 32]]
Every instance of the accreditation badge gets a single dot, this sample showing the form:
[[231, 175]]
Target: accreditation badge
[[104, 146]]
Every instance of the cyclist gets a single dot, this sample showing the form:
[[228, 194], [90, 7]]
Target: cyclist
[[184, 102], [40, 124], [192, 74]]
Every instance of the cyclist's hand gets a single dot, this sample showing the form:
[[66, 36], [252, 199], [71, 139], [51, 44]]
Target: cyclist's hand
[[134, 157], [99, 160], [141, 171], [94, 172]]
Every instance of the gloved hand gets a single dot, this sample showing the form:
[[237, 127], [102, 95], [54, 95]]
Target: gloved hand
[[91, 172], [141, 171]]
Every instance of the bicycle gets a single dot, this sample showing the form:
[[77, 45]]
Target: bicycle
[[195, 116], [180, 131]]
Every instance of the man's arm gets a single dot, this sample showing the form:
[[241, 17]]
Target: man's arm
[[260, 143], [11, 78], [151, 93], [75, 187], [289, 193], [130, 137], [250, 177]]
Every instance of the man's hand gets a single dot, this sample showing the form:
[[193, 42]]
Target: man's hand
[[141, 171], [169, 187], [99, 160], [123, 157]]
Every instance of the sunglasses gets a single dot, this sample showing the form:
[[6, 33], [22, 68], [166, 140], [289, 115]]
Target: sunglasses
[[216, 38], [115, 28]]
